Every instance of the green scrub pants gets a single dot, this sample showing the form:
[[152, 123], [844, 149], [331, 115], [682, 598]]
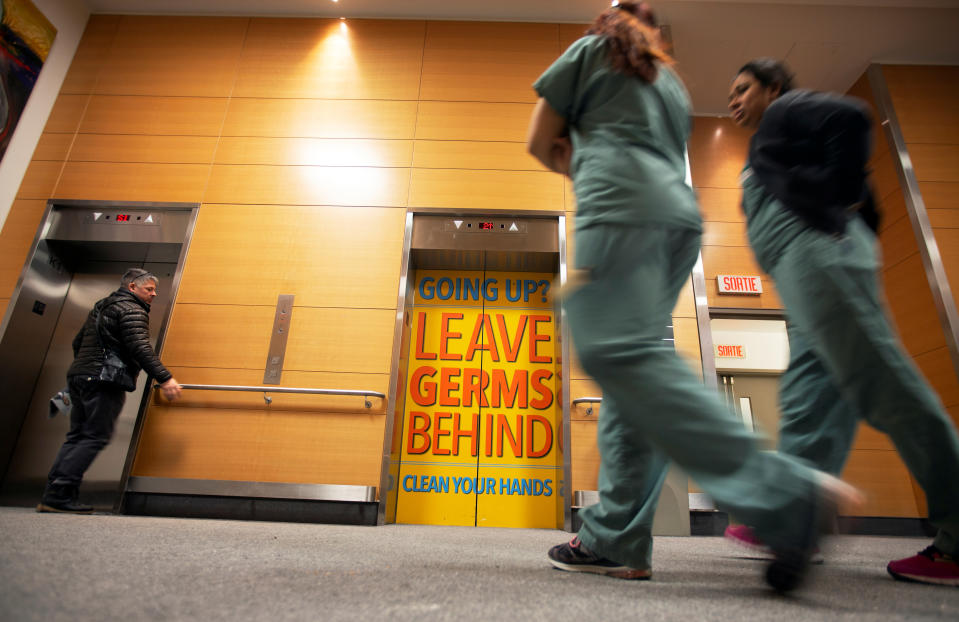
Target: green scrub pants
[[849, 365], [815, 423], [655, 408]]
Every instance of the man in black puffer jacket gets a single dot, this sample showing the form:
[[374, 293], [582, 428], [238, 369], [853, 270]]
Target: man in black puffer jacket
[[119, 323]]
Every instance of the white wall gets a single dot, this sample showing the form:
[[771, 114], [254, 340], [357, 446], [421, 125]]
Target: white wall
[[70, 18], [764, 344]]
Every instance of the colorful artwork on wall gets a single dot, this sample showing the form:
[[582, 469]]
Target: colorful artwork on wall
[[25, 40]]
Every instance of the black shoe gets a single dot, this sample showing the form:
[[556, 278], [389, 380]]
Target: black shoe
[[575, 557], [788, 568], [62, 498]]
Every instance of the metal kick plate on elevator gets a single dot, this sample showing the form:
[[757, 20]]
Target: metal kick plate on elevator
[[485, 225], [281, 330]]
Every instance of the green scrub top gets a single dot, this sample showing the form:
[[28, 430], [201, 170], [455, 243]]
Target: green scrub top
[[629, 139]]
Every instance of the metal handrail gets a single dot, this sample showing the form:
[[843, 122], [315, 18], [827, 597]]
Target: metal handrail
[[589, 400], [269, 400]]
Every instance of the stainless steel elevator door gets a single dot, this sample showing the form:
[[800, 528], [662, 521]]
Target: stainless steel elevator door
[[41, 437]]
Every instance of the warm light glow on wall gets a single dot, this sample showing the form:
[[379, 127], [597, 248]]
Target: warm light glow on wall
[[334, 52], [341, 152]]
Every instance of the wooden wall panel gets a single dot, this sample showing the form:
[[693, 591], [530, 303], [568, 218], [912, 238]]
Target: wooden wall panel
[[583, 456], [53, 147], [939, 163], [718, 233], [870, 438], [180, 56], [717, 152], [142, 148], [308, 185], [372, 239], [940, 196], [67, 112], [93, 49], [882, 477], [170, 116], [721, 204], [936, 366], [332, 59], [249, 445], [344, 340], [457, 154], [897, 243], [475, 189], [219, 336], [40, 180], [316, 118], [479, 121], [314, 151], [925, 102], [123, 181], [686, 332], [910, 301], [569, 33], [486, 62], [251, 243], [320, 339], [296, 250]]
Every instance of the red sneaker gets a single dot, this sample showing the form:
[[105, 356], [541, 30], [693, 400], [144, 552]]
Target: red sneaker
[[930, 565]]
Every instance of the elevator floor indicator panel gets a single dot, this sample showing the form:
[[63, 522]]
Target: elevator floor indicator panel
[[482, 419]]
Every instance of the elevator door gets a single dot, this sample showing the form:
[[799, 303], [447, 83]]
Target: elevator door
[[756, 398], [40, 436], [481, 443]]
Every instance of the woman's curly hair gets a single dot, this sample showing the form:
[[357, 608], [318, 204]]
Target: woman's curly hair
[[632, 38]]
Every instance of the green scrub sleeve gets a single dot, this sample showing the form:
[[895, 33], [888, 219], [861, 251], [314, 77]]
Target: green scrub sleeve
[[561, 85]]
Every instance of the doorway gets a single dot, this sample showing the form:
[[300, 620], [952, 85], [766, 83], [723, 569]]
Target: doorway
[[80, 252], [479, 425]]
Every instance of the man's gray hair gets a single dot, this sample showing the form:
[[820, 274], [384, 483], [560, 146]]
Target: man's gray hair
[[137, 276]]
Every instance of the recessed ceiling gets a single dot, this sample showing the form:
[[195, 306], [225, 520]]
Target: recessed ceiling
[[828, 43]]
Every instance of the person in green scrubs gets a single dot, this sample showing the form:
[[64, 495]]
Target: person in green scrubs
[[811, 221], [614, 116]]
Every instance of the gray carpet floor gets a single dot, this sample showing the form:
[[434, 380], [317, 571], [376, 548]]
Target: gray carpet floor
[[108, 567]]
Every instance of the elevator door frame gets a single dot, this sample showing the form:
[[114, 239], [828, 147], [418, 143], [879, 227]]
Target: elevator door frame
[[388, 483], [42, 235]]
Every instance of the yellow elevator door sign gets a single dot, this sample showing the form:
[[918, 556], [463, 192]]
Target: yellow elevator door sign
[[482, 423]]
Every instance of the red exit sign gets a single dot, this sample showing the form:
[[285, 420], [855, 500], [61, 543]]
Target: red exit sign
[[731, 352], [734, 284]]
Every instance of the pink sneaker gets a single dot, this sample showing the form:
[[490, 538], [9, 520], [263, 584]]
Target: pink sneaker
[[930, 565], [745, 537]]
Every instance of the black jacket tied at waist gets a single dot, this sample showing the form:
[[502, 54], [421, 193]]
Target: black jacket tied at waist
[[810, 152]]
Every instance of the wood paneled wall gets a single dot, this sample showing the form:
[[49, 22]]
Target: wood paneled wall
[[305, 141], [924, 100]]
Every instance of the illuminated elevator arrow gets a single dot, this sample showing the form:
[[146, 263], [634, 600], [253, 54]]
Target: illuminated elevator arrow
[[457, 223], [96, 215], [513, 227]]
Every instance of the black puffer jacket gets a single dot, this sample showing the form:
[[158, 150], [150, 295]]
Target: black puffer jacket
[[125, 329]]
